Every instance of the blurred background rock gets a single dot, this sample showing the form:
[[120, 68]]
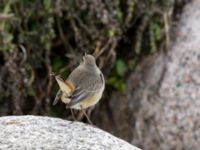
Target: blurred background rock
[[41, 37]]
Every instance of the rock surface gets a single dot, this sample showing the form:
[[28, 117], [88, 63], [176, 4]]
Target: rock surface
[[35, 132], [169, 112], [161, 104]]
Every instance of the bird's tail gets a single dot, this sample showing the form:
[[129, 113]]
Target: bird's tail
[[64, 86], [58, 96]]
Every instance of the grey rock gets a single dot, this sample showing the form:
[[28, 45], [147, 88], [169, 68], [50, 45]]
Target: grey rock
[[168, 96], [36, 132]]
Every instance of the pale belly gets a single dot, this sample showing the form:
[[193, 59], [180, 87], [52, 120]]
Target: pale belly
[[89, 102]]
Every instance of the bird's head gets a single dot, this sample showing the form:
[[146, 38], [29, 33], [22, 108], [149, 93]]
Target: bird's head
[[88, 60]]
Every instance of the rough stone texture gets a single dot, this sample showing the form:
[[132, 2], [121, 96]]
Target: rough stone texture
[[34, 132], [180, 88], [168, 97]]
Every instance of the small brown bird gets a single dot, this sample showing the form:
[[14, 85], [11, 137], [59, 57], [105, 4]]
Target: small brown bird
[[84, 86]]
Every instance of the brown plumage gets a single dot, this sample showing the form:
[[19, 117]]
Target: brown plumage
[[84, 86]]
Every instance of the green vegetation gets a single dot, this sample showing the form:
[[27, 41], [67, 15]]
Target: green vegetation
[[40, 37]]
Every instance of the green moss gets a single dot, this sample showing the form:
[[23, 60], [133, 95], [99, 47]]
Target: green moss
[[116, 80], [57, 64], [117, 83], [120, 67]]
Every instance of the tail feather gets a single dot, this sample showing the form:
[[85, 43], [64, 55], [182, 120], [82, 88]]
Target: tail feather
[[65, 87], [57, 98]]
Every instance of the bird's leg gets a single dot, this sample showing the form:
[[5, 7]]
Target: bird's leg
[[80, 116], [90, 122], [89, 110], [73, 116], [72, 112]]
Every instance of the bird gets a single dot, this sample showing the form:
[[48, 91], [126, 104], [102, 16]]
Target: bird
[[83, 88]]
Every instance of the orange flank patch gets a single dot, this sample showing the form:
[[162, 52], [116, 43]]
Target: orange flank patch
[[70, 85]]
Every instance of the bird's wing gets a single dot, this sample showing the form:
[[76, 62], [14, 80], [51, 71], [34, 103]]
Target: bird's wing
[[84, 91]]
